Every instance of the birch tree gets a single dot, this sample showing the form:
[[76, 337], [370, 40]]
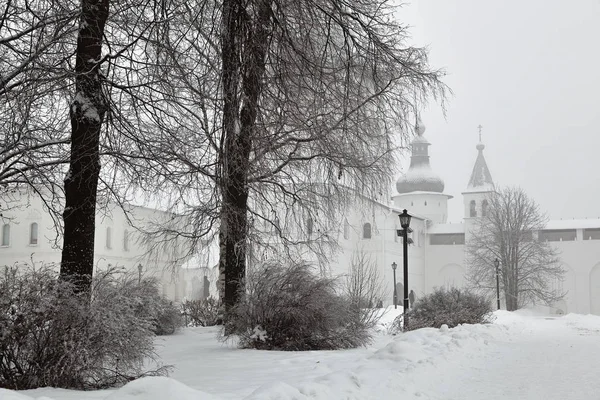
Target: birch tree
[[529, 268]]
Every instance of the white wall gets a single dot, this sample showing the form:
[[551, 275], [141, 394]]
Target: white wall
[[162, 264]]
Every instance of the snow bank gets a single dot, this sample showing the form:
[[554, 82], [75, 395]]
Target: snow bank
[[158, 388], [387, 372], [11, 395], [428, 343]]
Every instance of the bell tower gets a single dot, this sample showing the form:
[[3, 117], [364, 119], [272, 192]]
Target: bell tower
[[479, 188]]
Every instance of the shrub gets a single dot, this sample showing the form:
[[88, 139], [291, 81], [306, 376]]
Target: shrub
[[165, 316], [291, 308], [451, 307], [51, 337], [201, 312]]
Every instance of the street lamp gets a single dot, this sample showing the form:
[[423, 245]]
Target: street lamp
[[394, 266], [140, 273], [405, 223], [497, 263]]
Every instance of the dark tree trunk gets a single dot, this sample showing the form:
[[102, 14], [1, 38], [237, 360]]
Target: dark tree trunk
[[244, 45], [87, 113]]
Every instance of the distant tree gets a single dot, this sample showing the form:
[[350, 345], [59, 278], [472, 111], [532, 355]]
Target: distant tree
[[529, 268], [364, 287]]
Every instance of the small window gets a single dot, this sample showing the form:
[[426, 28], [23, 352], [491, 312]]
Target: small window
[[6, 235], [367, 231], [425, 203], [309, 226], [108, 238], [472, 209], [126, 240], [346, 229], [411, 204], [484, 208], [33, 234]]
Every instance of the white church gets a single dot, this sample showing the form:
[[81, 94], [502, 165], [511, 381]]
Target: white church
[[436, 254], [436, 257]]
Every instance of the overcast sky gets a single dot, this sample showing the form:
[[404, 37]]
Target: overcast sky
[[528, 71]]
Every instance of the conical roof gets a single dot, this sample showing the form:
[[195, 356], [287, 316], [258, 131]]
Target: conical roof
[[481, 179], [420, 177]]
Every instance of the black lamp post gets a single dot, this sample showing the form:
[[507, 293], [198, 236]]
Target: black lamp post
[[394, 266], [405, 223], [140, 273], [497, 263]]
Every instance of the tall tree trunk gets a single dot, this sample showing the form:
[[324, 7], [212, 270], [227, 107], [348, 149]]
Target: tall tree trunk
[[87, 112], [244, 44]]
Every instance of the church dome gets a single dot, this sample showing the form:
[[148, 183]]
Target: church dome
[[420, 177]]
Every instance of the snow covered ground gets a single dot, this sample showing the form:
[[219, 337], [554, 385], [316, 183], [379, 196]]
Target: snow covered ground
[[520, 356]]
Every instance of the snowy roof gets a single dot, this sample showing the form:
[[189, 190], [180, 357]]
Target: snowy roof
[[446, 228], [420, 139], [488, 187], [391, 208], [420, 178], [417, 192], [573, 224], [481, 179]]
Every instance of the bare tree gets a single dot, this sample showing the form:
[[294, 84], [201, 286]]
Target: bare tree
[[272, 116], [365, 288], [312, 93], [529, 267]]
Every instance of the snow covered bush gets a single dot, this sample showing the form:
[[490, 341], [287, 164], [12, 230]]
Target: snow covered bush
[[201, 312], [165, 316], [292, 308], [51, 337], [451, 307]]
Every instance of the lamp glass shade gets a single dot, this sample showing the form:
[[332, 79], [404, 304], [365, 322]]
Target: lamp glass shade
[[405, 219], [394, 266]]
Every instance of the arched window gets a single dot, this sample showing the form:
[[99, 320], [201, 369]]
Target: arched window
[[425, 203], [33, 233], [309, 226], [484, 208], [126, 240], [6, 235], [472, 210], [346, 229], [367, 231], [108, 238]]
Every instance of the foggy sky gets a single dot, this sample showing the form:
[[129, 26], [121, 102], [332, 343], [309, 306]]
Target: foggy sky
[[528, 71]]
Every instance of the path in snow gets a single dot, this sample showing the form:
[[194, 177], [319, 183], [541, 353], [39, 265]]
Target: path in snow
[[548, 359]]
